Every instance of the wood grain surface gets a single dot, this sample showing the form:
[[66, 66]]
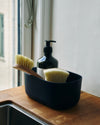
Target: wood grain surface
[[86, 112]]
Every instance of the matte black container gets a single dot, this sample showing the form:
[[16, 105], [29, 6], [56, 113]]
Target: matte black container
[[54, 95]]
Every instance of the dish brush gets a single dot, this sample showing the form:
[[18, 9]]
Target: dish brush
[[25, 64], [56, 75]]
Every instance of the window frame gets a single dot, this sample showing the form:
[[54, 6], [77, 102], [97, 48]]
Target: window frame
[[32, 38], [2, 41]]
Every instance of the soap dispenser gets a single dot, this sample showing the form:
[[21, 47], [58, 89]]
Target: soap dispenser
[[46, 61]]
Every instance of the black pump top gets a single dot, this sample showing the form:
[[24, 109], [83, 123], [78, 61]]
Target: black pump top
[[48, 48], [48, 42]]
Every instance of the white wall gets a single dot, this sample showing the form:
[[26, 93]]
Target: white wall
[[76, 28]]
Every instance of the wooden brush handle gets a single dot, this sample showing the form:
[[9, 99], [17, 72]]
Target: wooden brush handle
[[24, 69]]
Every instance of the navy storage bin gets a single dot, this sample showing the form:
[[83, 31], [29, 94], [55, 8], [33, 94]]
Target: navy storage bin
[[54, 95]]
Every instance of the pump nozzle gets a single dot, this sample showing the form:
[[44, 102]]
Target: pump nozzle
[[48, 42]]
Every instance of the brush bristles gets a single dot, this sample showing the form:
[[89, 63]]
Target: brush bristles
[[24, 61]]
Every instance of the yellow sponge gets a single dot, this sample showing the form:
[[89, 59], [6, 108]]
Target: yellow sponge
[[56, 75]]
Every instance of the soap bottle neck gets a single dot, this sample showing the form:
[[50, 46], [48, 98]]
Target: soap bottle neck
[[48, 55], [48, 51]]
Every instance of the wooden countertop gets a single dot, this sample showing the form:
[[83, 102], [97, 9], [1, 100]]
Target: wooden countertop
[[86, 112]]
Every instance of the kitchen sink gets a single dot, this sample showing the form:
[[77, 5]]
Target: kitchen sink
[[11, 114]]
